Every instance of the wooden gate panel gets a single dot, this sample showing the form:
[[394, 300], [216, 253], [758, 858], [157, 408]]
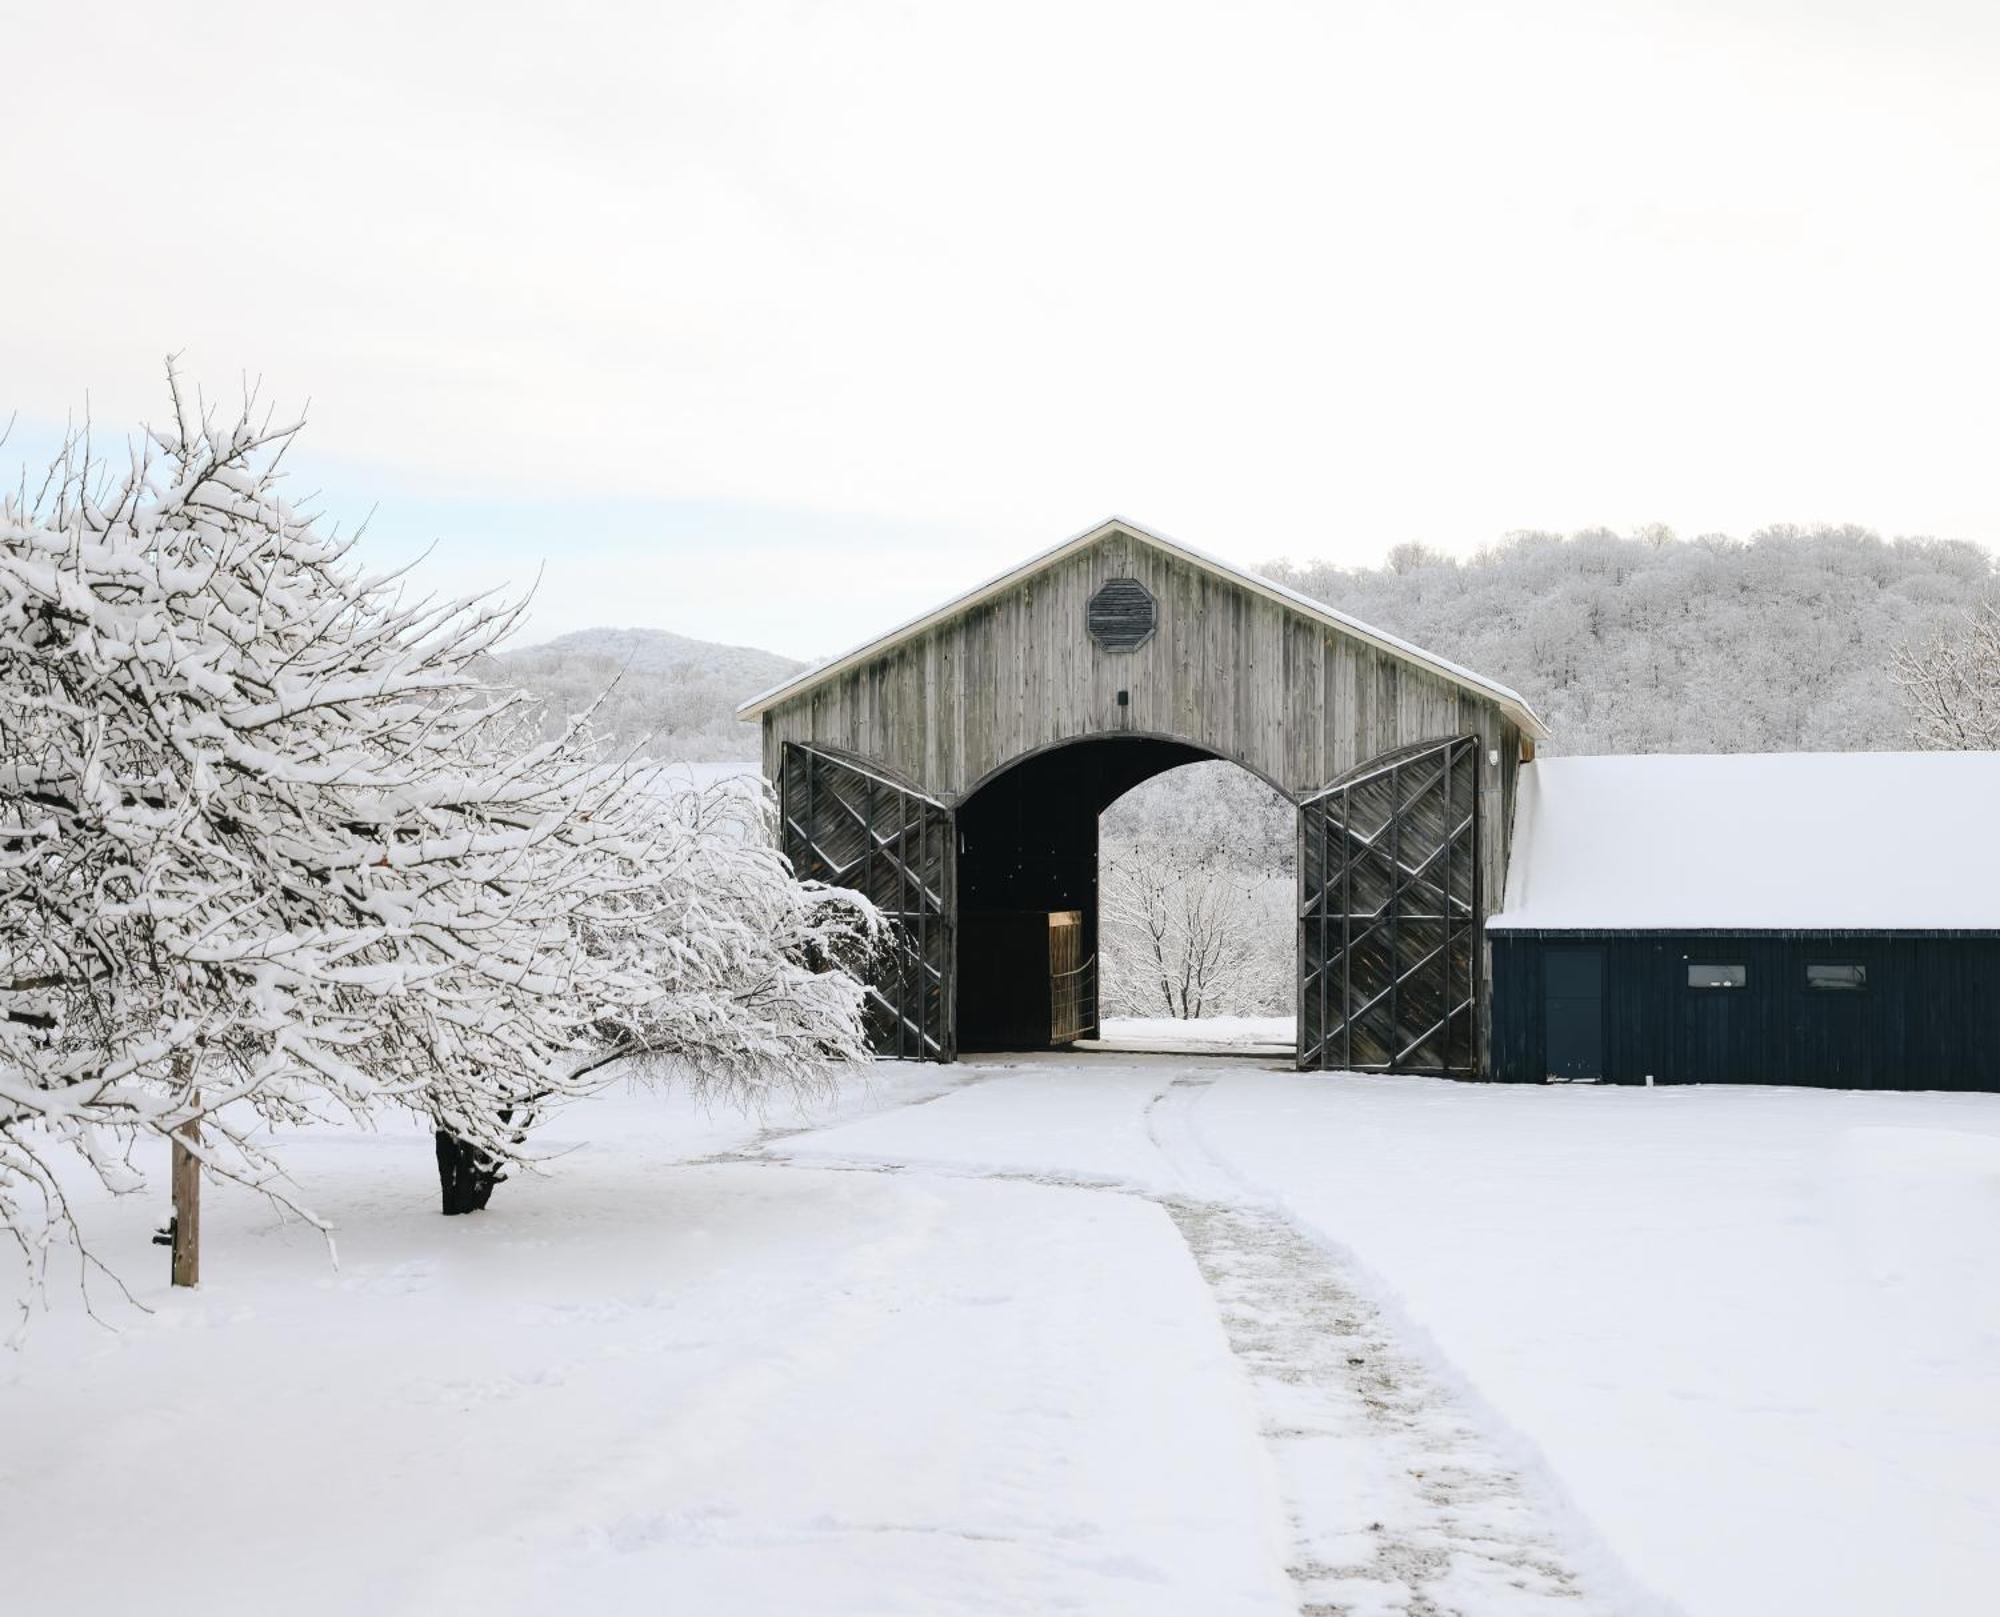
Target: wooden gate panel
[[1072, 979], [1389, 914], [851, 826]]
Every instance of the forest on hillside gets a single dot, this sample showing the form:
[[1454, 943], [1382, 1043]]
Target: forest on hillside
[[670, 696], [1650, 643]]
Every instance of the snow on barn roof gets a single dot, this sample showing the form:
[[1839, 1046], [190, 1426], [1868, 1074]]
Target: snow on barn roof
[[1809, 841], [1511, 702]]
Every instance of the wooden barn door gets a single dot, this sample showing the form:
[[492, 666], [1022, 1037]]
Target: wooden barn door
[[1389, 914], [1072, 979], [849, 825]]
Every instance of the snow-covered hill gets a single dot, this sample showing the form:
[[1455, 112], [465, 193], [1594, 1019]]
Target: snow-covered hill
[[674, 693], [660, 651]]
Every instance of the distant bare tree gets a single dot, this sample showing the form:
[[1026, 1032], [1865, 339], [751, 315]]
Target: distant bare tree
[[1952, 685], [1188, 933]]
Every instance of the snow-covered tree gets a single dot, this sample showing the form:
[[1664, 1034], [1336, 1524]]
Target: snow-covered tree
[[1952, 683], [704, 963], [1185, 931], [1196, 889], [271, 849]]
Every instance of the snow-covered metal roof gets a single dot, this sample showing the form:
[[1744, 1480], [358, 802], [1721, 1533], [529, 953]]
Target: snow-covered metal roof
[[1808, 841], [1511, 702]]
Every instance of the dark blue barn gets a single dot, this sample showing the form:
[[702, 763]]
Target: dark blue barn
[[1805, 918]]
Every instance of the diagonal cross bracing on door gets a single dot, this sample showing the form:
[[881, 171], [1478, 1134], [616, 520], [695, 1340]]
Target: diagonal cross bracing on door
[[850, 825], [1388, 914]]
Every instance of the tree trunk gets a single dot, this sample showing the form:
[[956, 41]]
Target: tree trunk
[[185, 1176], [466, 1175]]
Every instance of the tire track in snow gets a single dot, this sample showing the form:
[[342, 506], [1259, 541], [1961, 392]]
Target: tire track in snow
[[1400, 1502]]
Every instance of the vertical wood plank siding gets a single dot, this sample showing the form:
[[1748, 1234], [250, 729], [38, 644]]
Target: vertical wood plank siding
[[1227, 670]]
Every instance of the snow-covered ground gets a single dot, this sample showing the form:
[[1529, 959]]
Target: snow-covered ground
[[1094, 1332], [1200, 1033]]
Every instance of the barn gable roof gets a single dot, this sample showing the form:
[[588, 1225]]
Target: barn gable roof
[[1509, 701], [1747, 842]]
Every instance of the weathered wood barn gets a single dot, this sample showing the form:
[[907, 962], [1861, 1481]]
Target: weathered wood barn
[[954, 770], [1796, 918]]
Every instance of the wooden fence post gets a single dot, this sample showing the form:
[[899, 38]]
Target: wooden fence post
[[186, 1177]]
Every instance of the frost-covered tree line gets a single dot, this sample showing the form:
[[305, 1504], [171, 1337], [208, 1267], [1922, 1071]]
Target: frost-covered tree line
[[275, 847], [1784, 642]]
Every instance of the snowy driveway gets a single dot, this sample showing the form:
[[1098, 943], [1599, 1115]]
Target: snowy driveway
[[1089, 1333]]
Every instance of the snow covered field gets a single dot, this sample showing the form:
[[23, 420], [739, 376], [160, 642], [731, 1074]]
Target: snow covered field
[[1270, 1033], [1103, 1333]]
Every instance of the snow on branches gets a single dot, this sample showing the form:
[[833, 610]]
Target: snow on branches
[[272, 849], [1188, 932], [1952, 684]]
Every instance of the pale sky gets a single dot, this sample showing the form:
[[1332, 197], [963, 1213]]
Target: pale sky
[[776, 323]]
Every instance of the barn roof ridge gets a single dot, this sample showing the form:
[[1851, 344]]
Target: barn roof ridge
[[1511, 701]]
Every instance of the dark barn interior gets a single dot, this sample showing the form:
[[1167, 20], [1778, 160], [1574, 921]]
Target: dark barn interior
[[1027, 848]]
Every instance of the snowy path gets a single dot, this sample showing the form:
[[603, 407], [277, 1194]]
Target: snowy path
[[1747, 1334], [1399, 1502], [1396, 1501]]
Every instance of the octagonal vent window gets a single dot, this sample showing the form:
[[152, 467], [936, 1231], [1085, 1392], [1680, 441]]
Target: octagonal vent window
[[1122, 615]]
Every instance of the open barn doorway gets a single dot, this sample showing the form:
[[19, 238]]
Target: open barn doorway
[[1003, 934], [1066, 933], [1197, 890]]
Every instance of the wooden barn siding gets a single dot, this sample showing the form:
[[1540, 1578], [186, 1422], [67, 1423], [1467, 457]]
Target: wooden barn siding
[[1228, 670], [1928, 1019]]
